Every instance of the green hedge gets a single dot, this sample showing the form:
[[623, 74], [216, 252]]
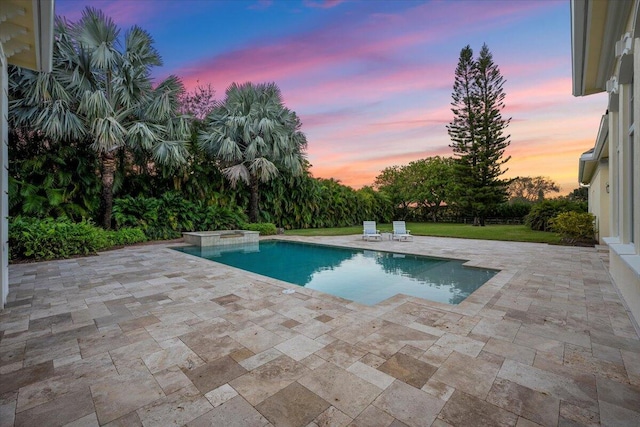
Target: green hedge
[[541, 214], [46, 239], [265, 228], [168, 216]]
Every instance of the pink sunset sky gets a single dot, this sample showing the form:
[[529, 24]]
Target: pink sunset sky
[[372, 80]]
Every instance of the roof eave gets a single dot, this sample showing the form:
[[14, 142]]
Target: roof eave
[[578, 43], [595, 28], [590, 159], [28, 33]]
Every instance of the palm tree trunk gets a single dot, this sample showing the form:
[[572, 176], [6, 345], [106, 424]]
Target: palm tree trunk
[[108, 166], [253, 201]]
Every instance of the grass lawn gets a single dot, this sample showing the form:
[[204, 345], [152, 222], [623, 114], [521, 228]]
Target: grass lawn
[[515, 233]]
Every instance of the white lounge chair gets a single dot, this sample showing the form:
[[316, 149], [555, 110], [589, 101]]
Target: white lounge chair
[[400, 231], [369, 230]]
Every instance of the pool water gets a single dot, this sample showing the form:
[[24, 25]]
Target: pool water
[[364, 276]]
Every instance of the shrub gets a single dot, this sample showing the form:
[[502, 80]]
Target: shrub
[[45, 239], [127, 236], [541, 213], [170, 215], [574, 226], [136, 212], [214, 217], [265, 228], [512, 210]]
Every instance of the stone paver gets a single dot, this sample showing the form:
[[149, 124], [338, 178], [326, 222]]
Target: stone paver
[[149, 336]]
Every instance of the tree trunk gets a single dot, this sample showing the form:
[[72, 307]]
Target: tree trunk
[[253, 201], [108, 166]]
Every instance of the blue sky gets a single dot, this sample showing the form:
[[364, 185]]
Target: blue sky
[[372, 80]]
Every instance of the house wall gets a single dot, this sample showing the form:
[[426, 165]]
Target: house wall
[[624, 183], [599, 200]]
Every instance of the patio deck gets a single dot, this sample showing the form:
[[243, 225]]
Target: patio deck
[[150, 336]]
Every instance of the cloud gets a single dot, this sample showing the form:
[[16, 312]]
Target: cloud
[[363, 41], [322, 4], [125, 13], [373, 85], [261, 5]]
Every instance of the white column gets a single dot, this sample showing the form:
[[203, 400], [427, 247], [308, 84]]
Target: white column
[[614, 170], [4, 182]]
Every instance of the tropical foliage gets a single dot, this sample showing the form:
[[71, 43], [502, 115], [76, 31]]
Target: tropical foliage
[[49, 178], [98, 140], [168, 216], [100, 92], [307, 202], [44, 239], [254, 136]]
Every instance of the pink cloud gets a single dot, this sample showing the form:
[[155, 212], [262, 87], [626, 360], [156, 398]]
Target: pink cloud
[[322, 4], [374, 39], [355, 83], [123, 12]]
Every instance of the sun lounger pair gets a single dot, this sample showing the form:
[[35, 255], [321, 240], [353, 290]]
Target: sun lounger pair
[[400, 232]]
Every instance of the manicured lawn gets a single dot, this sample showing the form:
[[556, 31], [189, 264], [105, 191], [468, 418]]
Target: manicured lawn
[[516, 233]]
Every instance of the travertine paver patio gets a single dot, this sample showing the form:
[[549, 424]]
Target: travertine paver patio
[[149, 336]]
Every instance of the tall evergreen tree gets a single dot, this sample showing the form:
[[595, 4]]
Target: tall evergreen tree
[[477, 133]]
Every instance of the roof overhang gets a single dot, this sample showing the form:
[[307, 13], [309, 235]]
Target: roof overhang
[[596, 26], [589, 160], [26, 33]]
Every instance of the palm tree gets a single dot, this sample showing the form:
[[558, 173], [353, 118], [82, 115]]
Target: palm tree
[[101, 91], [253, 136]]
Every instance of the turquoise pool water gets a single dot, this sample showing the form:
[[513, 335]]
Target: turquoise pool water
[[364, 276]]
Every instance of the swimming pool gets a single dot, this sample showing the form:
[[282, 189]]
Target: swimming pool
[[364, 276]]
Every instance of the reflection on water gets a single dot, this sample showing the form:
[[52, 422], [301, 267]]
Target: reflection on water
[[364, 276]]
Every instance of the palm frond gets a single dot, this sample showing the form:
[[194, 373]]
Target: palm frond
[[139, 50], [99, 34], [142, 134], [229, 151], [95, 105], [170, 152], [58, 122], [131, 86], [236, 173], [178, 128], [264, 169], [108, 134]]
